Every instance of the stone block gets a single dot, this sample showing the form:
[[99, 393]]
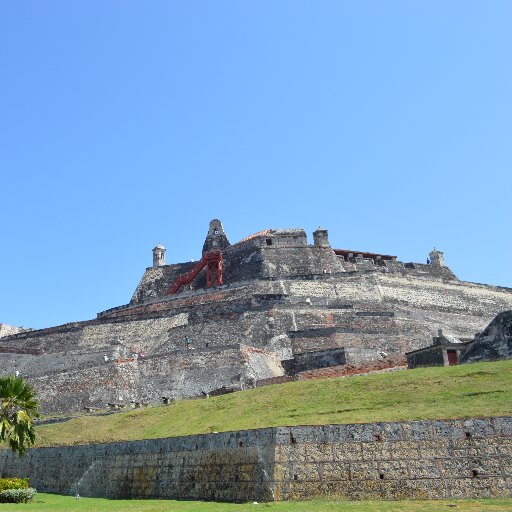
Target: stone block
[[335, 471], [319, 452], [364, 470], [346, 452]]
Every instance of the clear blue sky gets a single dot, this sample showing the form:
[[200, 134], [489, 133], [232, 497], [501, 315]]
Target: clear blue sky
[[127, 123]]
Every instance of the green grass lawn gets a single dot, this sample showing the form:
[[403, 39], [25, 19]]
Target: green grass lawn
[[483, 389], [53, 502]]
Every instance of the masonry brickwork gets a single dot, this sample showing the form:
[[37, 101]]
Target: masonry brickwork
[[439, 459], [281, 299]]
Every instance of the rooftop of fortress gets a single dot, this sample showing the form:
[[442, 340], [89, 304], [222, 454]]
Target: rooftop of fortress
[[275, 254]]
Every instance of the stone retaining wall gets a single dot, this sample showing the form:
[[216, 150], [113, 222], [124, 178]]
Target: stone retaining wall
[[398, 460]]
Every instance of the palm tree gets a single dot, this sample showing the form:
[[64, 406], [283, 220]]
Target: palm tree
[[18, 409]]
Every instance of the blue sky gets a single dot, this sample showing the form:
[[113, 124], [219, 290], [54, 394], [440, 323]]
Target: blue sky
[[127, 123]]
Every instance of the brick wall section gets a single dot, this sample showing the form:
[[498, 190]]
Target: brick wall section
[[231, 466], [410, 460], [401, 460]]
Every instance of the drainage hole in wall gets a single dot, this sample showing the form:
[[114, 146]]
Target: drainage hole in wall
[[381, 476], [295, 477], [474, 472], [468, 435]]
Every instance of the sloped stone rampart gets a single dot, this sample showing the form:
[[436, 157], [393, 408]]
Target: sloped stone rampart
[[177, 374], [430, 459], [372, 312]]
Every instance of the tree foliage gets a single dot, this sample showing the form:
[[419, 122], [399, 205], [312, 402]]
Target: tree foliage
[[18, 410]]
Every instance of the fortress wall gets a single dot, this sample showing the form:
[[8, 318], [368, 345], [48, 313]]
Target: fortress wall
[[452, 296], [289, 261], [429, 459], [371, 311], [242, 262], [157, 280], [356, 288], [102, 335], [83, 387], [201, 300], [232, 466], [139, 334], [421, 306], [410, 460], [176, 374], [36, 365]]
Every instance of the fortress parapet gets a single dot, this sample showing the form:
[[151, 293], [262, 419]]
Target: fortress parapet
[[274, 254], [352, 256]]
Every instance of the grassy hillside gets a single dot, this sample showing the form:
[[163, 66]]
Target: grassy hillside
[[483, 389]]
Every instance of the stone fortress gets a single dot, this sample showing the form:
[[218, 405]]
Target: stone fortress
[[247, 313]]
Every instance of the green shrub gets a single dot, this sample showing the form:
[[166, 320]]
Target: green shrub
[[13, 483], [17, 495]]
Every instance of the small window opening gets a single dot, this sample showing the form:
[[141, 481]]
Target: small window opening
[[381, 476], [474, 472], [292, 439], [295, 477], [269, 241], [468, 435], [241, 443]]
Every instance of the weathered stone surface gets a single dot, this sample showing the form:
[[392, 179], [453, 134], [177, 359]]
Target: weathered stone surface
[[495, 342], [7, 330], [281, 298], [399, 460]]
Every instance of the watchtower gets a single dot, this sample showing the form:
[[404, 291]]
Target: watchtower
[[216, 239], [321, 237], [436, 258], [158, 256]]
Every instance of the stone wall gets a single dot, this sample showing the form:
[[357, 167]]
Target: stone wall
[[312, 360], [409, 460], [495, 342], [365, 314], [400, 460]]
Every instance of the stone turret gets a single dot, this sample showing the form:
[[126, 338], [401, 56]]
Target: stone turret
[[436, 258], [216, 239], [321, 237], [158, 256]]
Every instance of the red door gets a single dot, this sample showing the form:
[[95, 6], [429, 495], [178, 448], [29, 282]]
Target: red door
[[452, 357]]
